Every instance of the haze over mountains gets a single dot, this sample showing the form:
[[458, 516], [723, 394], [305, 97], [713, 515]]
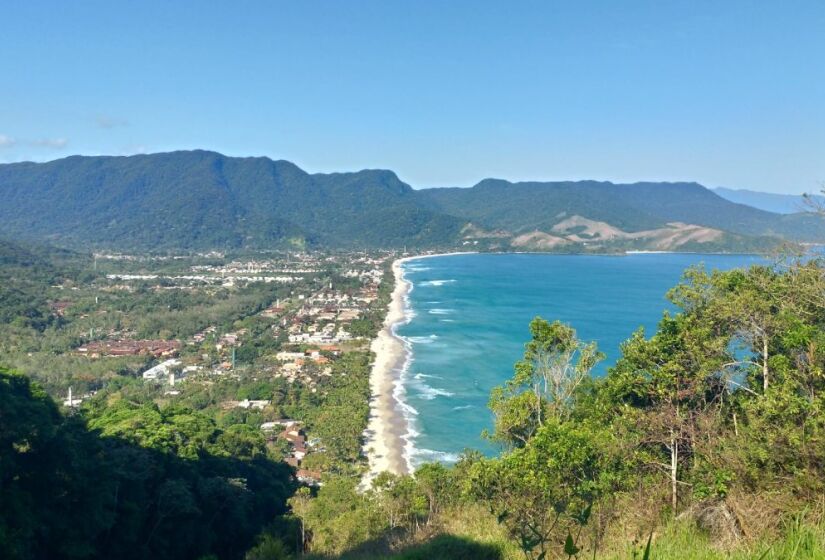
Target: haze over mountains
[[200, 200], [771, 202]]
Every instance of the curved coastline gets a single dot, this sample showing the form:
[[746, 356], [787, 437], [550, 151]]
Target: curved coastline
[[389, 435]]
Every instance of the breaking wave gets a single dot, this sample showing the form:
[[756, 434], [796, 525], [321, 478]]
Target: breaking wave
[[422, 339], [421, 455], [437, 282], [440, 311]]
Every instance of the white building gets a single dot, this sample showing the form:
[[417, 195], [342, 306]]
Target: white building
[[160, 371]]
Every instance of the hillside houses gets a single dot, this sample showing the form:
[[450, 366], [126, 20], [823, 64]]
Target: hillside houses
[[197, 338], [230, 339], [273, 311], [299, 448]]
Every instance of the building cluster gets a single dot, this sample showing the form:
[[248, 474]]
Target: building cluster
[[308, 329], [289, 265], [227, 280], [299, 447]]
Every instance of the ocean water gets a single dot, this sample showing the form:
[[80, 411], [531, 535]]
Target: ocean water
[[468, 323]]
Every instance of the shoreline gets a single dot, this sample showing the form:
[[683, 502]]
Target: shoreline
[[387, 437], [390, 434]]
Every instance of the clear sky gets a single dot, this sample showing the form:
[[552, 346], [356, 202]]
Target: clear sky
[[445, 93]]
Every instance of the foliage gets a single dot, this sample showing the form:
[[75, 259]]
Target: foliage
[[555, 363], [204, 200], [140, 483]]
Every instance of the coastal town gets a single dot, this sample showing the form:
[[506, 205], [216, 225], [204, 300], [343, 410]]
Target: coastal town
[[276, 336]]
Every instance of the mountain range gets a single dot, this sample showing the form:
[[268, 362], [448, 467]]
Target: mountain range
[[200, 200]]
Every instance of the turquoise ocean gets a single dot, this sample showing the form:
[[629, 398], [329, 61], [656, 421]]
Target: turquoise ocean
[[468, 319]]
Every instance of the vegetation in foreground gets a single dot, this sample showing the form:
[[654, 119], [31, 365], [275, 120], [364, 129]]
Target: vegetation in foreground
[[705, 440]]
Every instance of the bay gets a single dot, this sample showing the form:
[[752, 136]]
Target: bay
[[469, 317]]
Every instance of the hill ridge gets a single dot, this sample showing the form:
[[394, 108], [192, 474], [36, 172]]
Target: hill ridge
[[202, 199]]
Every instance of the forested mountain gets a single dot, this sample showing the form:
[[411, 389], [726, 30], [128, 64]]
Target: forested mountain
[[204, 200], [196, 200]]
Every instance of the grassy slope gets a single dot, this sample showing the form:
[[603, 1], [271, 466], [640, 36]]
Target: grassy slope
[[472, 534]]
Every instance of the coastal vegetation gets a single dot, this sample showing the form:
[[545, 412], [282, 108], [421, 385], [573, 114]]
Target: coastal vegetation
[[129, 481], [705, 439]]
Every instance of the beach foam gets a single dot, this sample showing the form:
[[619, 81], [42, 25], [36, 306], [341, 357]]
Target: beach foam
[[430, 455], [429, 393], [391, 432], [427, 376], [422, 339]]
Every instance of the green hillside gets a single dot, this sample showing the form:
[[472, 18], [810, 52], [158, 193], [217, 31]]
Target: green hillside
[[199, 200], [204, 200]]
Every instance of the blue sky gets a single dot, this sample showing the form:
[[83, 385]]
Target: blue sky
[[444, 93]]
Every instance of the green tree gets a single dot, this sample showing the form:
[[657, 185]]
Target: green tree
[[543, 493], [555, 363]]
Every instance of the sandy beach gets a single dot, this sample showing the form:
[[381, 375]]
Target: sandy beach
[[384, 445], [387, 427]]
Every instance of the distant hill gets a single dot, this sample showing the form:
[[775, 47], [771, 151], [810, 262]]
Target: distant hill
[[527, 207], [771, 202], [199, 200]]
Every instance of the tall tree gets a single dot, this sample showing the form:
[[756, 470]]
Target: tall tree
[[554, 365]]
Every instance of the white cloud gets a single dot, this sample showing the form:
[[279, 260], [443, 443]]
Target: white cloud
[[7, 141], [54, 143]]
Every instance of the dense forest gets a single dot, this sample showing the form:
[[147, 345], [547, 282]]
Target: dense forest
[[203, 200], [133, 481], [25, 272]]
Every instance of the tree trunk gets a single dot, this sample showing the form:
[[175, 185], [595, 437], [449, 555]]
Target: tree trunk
[[674, 471], [765, 363]]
